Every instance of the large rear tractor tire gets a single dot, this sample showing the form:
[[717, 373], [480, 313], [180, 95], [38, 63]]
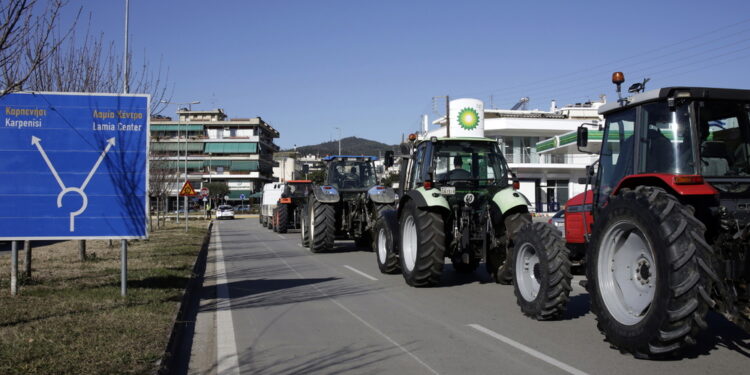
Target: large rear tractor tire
[[322, 226], [422, 246], [498, 260], [386, 230], [304, 227], [541, 271], [283, 218], [648, 273]]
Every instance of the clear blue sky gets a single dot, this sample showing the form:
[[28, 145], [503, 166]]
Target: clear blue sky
[[372, 67]]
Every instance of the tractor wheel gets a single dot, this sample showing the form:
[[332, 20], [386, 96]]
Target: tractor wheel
[[648, 273], [260, 219], [499, 257], [282, 214], [304, 227], [386, 228], [422, 247], [541, 271], [322, 226], [275, 220]]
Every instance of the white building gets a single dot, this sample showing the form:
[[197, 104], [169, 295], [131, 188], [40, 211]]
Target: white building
[[547, 179]]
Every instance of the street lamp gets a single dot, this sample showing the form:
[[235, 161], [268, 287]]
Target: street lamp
[[190, 108], [339, 129]]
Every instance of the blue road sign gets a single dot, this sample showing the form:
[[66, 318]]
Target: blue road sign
[[242, 197], [73, 166]]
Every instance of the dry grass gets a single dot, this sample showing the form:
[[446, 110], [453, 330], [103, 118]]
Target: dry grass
[[69, 317]]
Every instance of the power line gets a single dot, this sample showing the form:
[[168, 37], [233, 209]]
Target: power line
[[640, 56]]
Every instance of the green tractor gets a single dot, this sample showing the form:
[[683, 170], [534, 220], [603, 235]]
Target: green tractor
[[346, 205], [458, 199]]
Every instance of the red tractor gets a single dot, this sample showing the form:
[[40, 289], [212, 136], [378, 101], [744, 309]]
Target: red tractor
[[664, 231]]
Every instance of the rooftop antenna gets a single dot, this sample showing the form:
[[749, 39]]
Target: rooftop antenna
[[638, 86]]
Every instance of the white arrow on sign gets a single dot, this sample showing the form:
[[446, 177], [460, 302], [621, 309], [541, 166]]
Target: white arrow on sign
[[64, 190], [35, 142]]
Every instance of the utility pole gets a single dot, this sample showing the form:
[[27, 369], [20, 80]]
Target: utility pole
[[339, 129], [448, 116], [125, 68], [190, 108]]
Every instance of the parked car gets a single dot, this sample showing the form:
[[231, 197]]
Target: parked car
[[225, 211], [558, 220]]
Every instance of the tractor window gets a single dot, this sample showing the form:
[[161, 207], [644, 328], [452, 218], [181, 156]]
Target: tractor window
[[617, 152], [351, 174], [416, 169], [469, 161], [666, 146], [724, 129]]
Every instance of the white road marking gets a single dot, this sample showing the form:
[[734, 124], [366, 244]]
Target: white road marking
[[280, 236], [350, 312], [361, 273], [226, 344], [529, 351]]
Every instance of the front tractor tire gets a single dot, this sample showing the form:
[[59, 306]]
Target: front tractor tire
[[282, 220], [422, 246], [498, 260], [322, 226], [541, 271], [648, 273], [386, 253]]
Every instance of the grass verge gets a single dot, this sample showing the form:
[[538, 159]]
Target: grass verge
[[70, 319]]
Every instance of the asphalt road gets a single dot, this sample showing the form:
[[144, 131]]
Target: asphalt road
[[280, 309]]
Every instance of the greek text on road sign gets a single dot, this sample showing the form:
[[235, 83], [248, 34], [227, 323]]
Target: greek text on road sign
[[75, 166]]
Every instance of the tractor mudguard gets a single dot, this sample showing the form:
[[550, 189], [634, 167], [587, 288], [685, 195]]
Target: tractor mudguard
[[428, 198], [508, 198], [326, 194], [382, 195]]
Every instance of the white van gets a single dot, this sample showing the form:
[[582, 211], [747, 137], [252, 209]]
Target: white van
[[271, 194]]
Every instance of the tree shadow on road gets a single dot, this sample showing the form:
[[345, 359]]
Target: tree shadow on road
[[254, 293]]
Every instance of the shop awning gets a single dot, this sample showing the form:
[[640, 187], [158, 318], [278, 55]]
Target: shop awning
[[174, 128], [231, 147]]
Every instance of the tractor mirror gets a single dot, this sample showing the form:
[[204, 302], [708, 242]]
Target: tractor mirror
[[388, 160], [583, 137]]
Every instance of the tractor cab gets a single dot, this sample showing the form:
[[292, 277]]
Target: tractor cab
[[351, 173], [671, 215], [690, 141]]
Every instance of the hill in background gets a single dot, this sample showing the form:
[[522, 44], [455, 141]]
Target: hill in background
[[349, 146]]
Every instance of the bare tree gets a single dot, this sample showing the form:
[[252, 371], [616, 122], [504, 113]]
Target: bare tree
[[161, 179], [27, 40], [94, 65]]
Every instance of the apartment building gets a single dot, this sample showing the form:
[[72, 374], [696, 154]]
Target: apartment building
[[212, 147]]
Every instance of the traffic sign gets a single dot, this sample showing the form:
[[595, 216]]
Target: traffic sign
[[187, 190], [77, 166], [242, 197], [204, 192]]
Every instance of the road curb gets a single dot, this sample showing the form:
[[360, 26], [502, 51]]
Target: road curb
[[186, 313]]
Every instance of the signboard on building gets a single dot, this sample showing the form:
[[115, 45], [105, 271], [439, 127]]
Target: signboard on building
[[467, 118], [75, 166]]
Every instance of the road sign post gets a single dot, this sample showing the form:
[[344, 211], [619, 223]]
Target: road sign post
[[79, 166], [14, 268], [187, 191]]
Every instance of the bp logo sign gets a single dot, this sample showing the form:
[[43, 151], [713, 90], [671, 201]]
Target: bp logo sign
[[468, 118]]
